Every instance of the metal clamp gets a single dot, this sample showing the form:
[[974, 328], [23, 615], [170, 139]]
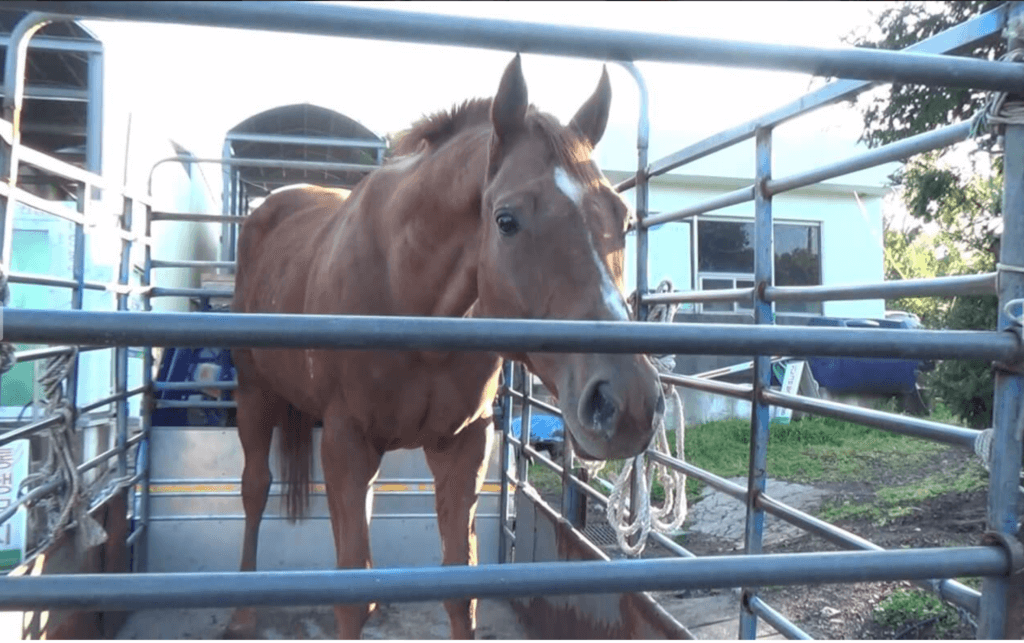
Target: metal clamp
[[1014, 549]]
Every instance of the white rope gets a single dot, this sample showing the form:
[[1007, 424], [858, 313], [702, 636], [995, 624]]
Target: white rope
[[996, 111], [61, 464], [669, 517]]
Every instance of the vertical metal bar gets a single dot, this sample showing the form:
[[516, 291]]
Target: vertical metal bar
[[506, 430], [522, 463], [225, 202], [121, 355], [642, 285], [94, 119], [78, 274], [999, 594], [141, 547], [764, 254]]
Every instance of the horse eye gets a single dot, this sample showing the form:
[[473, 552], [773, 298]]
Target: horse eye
[[507, 223]]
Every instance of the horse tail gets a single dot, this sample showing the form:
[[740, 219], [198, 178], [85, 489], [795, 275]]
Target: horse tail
[[296, 451]]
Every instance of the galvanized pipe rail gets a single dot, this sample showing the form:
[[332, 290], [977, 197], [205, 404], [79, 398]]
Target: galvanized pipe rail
[[539, 38], [234, 589], [357, 332]]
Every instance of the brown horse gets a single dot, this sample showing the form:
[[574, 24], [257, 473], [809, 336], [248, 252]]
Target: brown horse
[[491, 209]]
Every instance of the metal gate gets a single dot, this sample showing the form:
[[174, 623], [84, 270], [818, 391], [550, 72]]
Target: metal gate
[[999, 558]]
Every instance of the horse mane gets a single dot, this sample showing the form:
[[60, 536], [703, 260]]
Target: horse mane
[[570, 148]]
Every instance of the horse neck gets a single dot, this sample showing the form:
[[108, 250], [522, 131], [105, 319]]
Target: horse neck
[[432, 266]]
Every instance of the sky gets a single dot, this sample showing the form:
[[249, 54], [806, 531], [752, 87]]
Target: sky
[[193, 84]]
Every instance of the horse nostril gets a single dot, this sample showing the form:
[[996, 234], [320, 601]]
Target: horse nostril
[[602, 405]]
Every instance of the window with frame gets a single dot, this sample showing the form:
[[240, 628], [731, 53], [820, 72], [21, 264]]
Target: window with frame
[[725, 260]]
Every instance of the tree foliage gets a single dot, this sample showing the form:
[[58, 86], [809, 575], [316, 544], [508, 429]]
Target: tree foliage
[[958, 203]]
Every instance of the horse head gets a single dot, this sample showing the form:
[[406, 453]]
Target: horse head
[[552, 247]]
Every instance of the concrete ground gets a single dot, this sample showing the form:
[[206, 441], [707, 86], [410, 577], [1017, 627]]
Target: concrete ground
[[495, 620]]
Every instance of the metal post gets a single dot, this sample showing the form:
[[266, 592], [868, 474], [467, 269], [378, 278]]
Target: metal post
[[141, 547], [1001, 601], [506, 430], [522, 463], [225, 199], [764, 253], [121, 354], [94, 119], [78, 294], [642, 285]]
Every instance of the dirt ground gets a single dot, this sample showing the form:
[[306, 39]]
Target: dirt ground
[[846, 611]]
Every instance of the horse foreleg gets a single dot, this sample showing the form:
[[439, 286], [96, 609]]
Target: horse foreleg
[[350, 466], [459, 466]]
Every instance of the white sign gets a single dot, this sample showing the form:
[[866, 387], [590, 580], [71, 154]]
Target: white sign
[[13, 469], [790, 385]]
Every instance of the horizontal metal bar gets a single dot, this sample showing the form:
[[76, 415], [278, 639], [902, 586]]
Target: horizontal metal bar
[[902, 424], [285, 164], [189, 386], [712, 480], [735, 368], [983, 284], [41, 353], [30, 429], [58, 43], [892, 152], [325, 141], [46, 206], [234, 517], [33, 354], [36, 493], [701, 296], [948, 589], [193, 404], [532, 401], [112, 398], [968, 32], [89, 465], [160, 263], [61, 168], [356, 332], [191, 292], [196, 217], [784, 626], [742, 195], [135, 535], [526, 37], [740, 391], [233, 589], [41, 280]]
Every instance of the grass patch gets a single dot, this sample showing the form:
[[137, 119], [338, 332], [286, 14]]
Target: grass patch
[[896, 501], [918, 609], [811, 450]]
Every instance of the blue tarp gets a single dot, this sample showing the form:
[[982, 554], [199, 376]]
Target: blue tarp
[[543, 428]]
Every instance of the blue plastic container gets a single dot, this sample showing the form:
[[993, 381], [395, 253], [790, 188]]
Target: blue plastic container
[[865, 375]]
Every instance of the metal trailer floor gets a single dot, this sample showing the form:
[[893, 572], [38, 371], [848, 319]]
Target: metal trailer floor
[[427, 620]]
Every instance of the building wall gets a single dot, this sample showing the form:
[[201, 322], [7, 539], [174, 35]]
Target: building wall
[[851, 234]]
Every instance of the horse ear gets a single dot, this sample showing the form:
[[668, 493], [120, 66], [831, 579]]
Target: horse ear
[[508, 110], [592, 118]]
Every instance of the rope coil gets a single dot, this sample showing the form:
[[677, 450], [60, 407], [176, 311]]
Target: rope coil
[[72, 499], [670, 516]]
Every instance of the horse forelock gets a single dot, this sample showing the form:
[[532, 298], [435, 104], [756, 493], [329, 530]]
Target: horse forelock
[[571, 150]]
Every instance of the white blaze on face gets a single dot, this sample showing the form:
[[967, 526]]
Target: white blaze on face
[[569, 186]]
